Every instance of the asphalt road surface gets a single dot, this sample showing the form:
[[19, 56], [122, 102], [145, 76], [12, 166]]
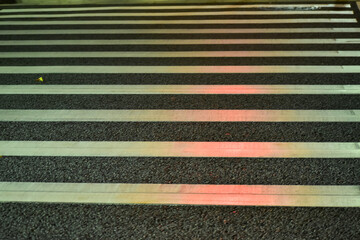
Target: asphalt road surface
[[257, 136]]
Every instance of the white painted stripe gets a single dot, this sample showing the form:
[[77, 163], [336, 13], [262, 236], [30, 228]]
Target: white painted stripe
[[178, 69], [178, 54], [179, 89], [217, 13], [184, 194], [182, 149], [178, 31], [281, 6], [199, 21], [178, 41], [180, 115]]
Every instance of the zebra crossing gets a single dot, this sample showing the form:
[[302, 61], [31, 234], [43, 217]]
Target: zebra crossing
[[184, 66]]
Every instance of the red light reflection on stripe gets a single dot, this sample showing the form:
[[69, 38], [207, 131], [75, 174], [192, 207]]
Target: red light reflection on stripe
[[228, 149], [231, 195], [231, 89]]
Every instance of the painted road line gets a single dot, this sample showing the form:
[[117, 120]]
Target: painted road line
[[181, 149], [217, 13], [291, 6], [179, 69], [179, 115], [199, 21], [183, 194], [177, 42], [179, 89], [180, 54], [178, 31]]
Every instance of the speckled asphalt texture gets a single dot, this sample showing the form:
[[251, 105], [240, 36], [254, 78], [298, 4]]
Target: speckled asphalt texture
[[182, 170], [73, 221], [179, 101], [97, 221], [249, 78]]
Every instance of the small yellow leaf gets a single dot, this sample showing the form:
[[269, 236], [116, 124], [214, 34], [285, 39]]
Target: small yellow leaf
[[40, 79]]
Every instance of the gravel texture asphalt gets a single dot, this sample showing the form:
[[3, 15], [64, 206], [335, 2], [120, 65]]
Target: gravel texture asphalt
[[212, 47], [181, 170], [181, 131], [249, 78], [76, 221], [179, 101]]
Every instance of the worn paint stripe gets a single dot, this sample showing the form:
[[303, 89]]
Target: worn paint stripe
[[178, 69], [182, 149], [179, 89], [180, 115], [285, 7], [184, 194], [199, 21], [176, 54], [177, 42], [178, 31], [217, 13]]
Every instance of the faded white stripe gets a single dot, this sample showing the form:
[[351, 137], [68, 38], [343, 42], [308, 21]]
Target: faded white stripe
[[178, 69], [282, 6], [177, 54], [201, 21], [188, 194], [182, 149], [178, 31], [178, 41], [217, 13], [179, 89], [181, 115]]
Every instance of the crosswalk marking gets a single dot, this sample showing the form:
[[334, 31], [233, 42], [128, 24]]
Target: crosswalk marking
[[184, 194], [179, 69], [180, 89], [179, 31], [221, 13], [182, 149], [220, 16], [179, 54], [178, 42], [182, 115], [286, 7], [198, 21]]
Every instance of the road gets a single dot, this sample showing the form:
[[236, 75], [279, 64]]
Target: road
[[217, 121]]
